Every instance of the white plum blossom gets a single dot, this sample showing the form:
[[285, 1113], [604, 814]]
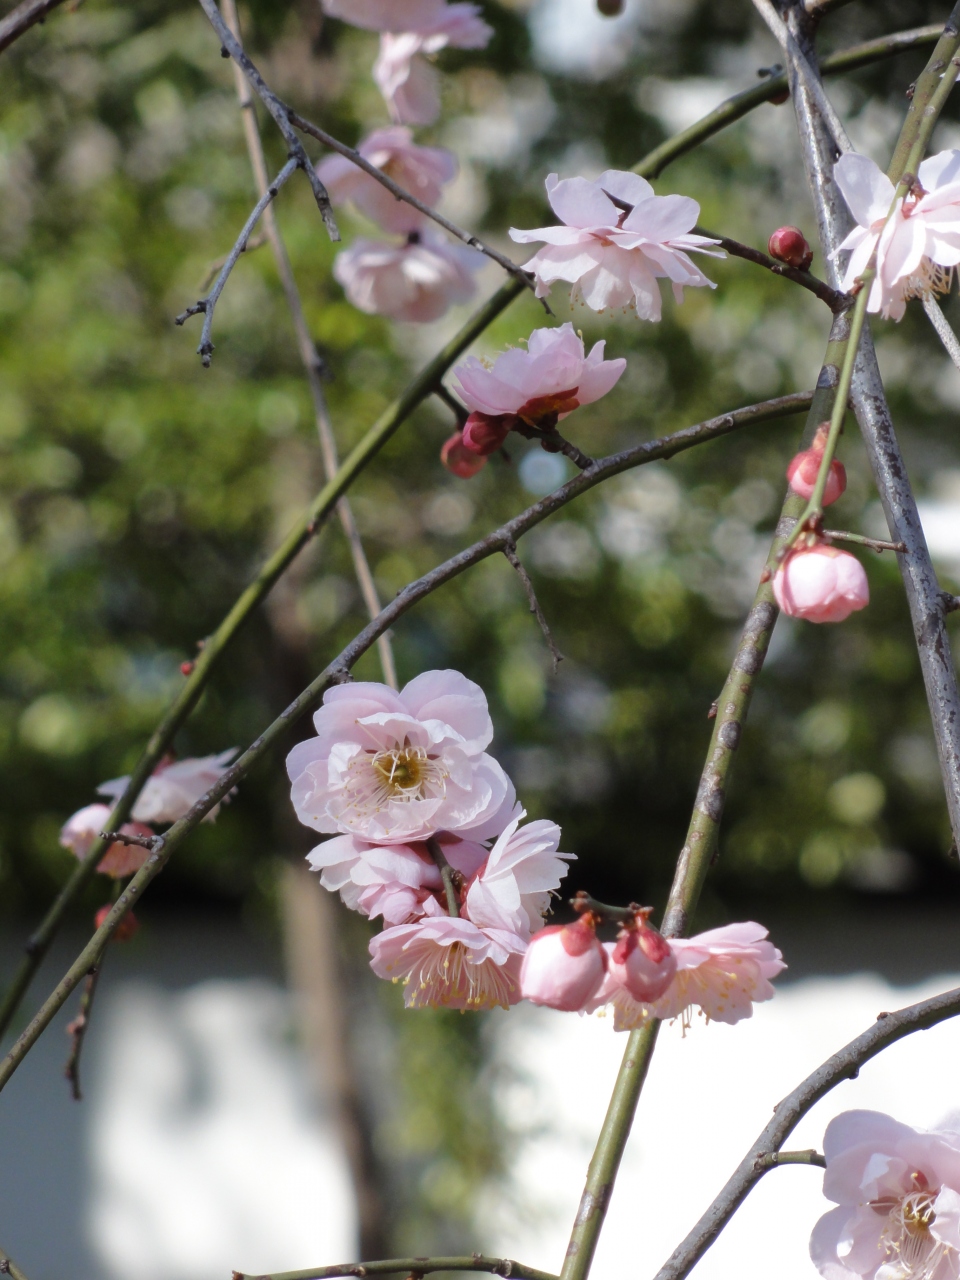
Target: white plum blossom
[[174, 787], [418, 280], [918, 246], [408, 82], [512, 889], [392, 767], [423, 171], [616, 240], [897, 1192]]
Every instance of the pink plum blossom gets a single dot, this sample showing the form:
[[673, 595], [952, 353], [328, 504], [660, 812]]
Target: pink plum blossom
[[722, 972], [805, 467], [918, 247], [423, 171], [821, 584], [616, 240], [392, 767], [512, 889], [897, 1192], [82, 829], [408, 82], [536, 387], [564, 966], [418, 280], [391, 880], [450, 962], [385, 15], [174, 787]]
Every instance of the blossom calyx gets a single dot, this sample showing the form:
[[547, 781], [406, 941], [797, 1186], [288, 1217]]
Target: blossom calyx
[[821, 584], [789, 245], [564, 965]]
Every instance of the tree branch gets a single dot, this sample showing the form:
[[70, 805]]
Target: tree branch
[[875, 544], [942, 325], [312, 364], [843, 1065], [834, 299], [492, 544], [775, 1159], [413, 1266], [510, 552], [23, 17], [77, 1030], [9, 1268]]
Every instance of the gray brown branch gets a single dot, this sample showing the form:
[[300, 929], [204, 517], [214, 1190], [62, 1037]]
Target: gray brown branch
[[510, 552], [77, 1030], [834, 298], [23, 17]]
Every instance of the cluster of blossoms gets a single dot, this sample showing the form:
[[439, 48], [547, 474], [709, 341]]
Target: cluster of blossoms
[[426, 833], [170, 792], [897, 1192], [917, 245]]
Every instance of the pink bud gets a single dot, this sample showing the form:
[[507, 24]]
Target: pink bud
[[803, 471], [821, 584], [647, 963], [456, 457], [564, 966], [789, 245], [485, 433], [125, 930]]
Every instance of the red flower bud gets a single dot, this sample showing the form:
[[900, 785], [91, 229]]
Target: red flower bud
[[563, 966], [456, 457], [789, 245], [125, 930], [803, 471], [186, 668], [484, 434]]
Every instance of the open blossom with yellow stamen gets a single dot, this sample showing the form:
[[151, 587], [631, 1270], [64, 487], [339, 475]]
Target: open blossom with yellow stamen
[[391, 767], [897, 1192]]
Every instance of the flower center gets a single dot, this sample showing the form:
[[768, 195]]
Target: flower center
[[911, 1248], [403, 770], [400, 774]]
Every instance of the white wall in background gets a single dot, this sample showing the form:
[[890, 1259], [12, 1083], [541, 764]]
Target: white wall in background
[[208, 1154], [706, 1099]]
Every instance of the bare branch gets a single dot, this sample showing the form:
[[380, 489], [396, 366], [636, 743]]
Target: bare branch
[[278, 110], [23, 17], [504, 1267], [121, 837], [775, 1159], [875, 544], [834, 299], [206, 305], [942, 326], [339, 669], [843, 1065], [510, 552], [77, 1030]]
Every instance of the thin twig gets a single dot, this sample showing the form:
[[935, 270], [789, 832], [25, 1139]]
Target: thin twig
[[843, 1065], [121, 837], [77, 1030], [9, 1268], [875, 544], [776, 1159], [453, 880], [23, 17], [504, 1267], [255, 242], [338, 669], [582, 902], [278, 110], [466, 237], [206, 305], [312, 363], [834, 299], [510, 552], [452, 403], [942, 325]]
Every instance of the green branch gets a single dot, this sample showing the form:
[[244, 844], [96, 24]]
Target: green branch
[[9, 1268], [413, 1267]]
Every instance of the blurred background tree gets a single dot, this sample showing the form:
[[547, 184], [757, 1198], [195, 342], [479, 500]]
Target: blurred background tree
[[139, 490]]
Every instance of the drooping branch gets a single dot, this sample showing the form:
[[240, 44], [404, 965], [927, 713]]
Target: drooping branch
[[504, 1267], [843, 1065], [77, 1031], [23, 17], [339, 668], [205, 306], [310, 357], [510, 552], [834, 299]]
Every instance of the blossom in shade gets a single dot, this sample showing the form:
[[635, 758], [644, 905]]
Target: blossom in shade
[[789, 245], [616, 239], [512, 889], [805, 467], [385, 15], [390, 880], [418, 280], [644, 961], [460, 460], [448, 961], [408, 82], [84, 827], [174, 787], [821, 584], [128, 927], [918, 246], [564, 966], [897, 1192], [536, 387], [392, 767], [422, 171]]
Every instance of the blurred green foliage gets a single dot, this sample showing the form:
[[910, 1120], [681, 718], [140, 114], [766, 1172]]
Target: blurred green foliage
[[138, 490]]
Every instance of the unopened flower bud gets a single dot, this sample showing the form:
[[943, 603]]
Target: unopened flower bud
[[125, 930], [803, 471], [484, 434], [564, 966], [456, 457], [821, 584], [647, 963], [186, 668], [789, 245]]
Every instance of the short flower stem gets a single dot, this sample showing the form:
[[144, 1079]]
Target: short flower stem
[[774, 1159], [452, 879], [582, 902]]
